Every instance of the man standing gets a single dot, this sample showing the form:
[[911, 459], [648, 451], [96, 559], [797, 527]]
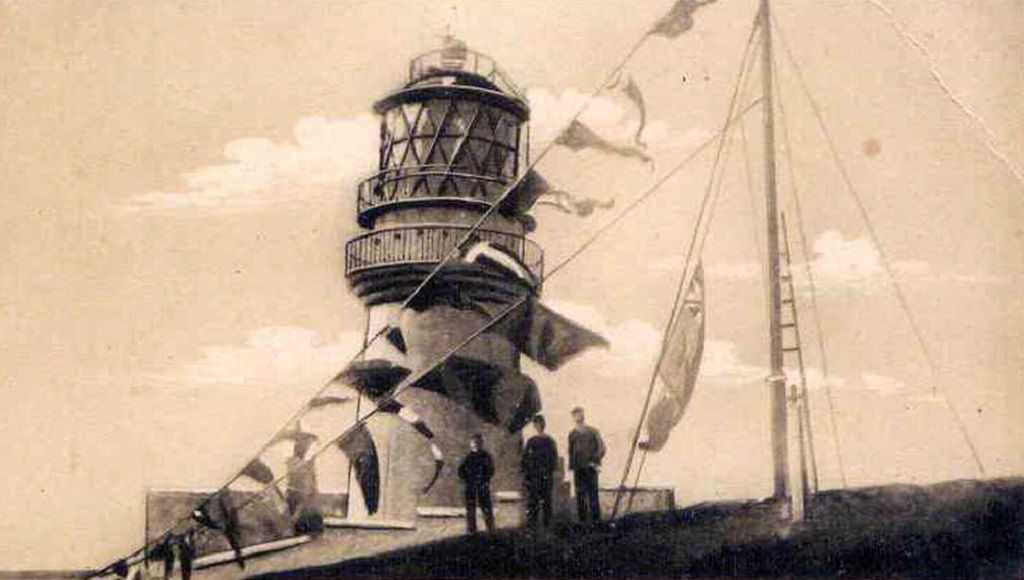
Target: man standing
[[540, 458], [302, 489], [586, 449], [476, 470]]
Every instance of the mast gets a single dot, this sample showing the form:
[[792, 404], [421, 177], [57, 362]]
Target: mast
[[777, 380]]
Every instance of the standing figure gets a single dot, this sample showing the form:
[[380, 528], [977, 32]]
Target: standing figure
[[540, 458], [301, 494], [476, 471], [586, 449], [187, 553]]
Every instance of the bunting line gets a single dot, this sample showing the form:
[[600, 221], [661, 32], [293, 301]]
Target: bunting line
[[741, 76], [830, 396], [453, 253]]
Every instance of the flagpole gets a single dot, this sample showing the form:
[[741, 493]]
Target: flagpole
[[777, 379]]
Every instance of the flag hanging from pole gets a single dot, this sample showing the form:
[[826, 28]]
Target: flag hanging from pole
[[632, 92], [535, 189], [679, 18], [578, 137], [361, 451], [500, 258], [552, 339], [568, 203], [684, 346]]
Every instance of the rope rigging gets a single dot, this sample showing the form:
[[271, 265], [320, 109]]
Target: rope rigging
[[809, 267], [724, 137], [706, 207], [486, 326], [886, 265]]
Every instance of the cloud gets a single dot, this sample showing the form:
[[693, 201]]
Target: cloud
[[633, 349], [328, 156], [839, 263], [634, 346], [258, 172], [721, 365], [271, 357], [610, 115]]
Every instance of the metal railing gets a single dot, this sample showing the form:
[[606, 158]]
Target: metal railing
[[429, 244], [462, 60]]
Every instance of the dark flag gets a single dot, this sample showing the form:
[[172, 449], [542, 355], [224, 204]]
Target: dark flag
[[529, 405], [496, 257], [413, 419], [679, 18], [467, 382], [395, 337], [325, 400], [218, 513], [578, 137], [259, 471], [633, 93], [377, 378], [531, 187], [535, 189], [552, 339], [684, 345], [300, 437], [361, 451], [374, 377], [568, 203]]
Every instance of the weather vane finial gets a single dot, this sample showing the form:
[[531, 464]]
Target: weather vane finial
[[449, 38]]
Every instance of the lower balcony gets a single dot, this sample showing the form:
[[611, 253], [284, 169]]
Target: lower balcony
[[386, 265]]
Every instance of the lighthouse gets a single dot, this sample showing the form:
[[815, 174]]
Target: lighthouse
[[453, 143]]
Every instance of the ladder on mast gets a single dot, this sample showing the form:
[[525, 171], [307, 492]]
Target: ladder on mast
[[792, 345]]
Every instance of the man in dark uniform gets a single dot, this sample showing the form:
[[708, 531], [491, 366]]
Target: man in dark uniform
[[476, 470], [586, 449], [540, 458]]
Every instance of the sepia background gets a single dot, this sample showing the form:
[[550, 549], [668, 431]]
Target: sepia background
[[178, 182]]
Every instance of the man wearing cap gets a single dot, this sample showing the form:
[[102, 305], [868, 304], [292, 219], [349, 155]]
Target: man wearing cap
[[476, 470], [586, 449], [540, 458]]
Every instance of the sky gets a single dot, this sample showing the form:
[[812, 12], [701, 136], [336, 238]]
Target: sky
[[179, 181]]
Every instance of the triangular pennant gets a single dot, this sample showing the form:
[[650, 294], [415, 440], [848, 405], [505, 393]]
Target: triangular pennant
[[678, 19], [552, 339], [259, 471], [374, 377], [578, 137], [466, 381], [218, 513], [361, 451], [529, 405]]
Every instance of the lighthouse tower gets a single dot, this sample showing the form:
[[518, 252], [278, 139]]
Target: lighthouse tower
[[452, 140]]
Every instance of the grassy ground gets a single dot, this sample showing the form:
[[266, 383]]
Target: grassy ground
[[963, 529]]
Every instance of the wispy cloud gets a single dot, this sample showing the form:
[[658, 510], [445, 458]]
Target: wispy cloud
[[839, 264], [634, 346], [271, 357], [328, 156], [258, 172]]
